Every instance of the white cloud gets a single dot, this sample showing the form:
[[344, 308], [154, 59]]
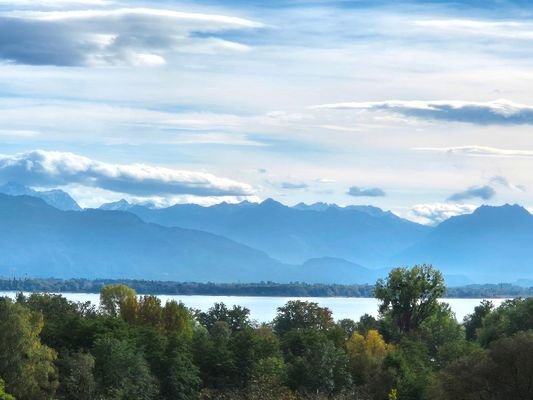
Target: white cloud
[[483, 113], [90, 197], [478, 151], [130, 36], [188, 20], [433, 214], [25, 133], [49, 168]]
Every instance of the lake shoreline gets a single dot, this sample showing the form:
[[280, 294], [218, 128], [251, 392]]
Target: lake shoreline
[[257, 289]]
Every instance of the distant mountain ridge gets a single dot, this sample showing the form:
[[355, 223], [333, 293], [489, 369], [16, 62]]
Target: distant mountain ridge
[[39, 240], [56, 198], [294, 235], [488, 245]]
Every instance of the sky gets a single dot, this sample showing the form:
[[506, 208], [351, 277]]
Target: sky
[[424, 108]]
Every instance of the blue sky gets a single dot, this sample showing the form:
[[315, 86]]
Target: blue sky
[[422, 107]]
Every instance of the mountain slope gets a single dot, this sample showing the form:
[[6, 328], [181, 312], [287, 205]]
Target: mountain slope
[[39, 240], [493, 244], [293, 235]]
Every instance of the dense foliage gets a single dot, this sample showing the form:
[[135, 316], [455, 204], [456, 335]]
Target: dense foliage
[[294, 289], [135, 347]]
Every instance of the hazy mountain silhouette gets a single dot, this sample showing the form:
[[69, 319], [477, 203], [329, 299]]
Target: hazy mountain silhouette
[[252, 242], [39, 240], [493, 244], [294, 235]]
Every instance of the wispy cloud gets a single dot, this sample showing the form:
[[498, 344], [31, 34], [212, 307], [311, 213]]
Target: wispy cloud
[[485, 192], [356, 191], [503, 181], [49, 169], [478, 151], [294, 185], [497, 29], [131, 36], [499, 112], [54, 3]]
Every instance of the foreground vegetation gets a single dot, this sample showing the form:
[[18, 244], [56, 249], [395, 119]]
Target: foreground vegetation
[[134, 347], [295, 289]]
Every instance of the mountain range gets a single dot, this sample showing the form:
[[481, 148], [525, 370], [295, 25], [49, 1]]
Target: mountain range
[[46, 235]]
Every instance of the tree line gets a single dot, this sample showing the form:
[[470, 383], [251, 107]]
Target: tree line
[[133, 347], [294, 289]]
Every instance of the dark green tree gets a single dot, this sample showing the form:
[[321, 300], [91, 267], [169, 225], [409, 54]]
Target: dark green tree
[[472, 322], [297, 314], [237, 318], [502, 372], [121, 372], [510, 317], [76, 376], [314, 364]]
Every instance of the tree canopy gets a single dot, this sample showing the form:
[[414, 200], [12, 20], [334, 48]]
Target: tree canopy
[[410, 296]]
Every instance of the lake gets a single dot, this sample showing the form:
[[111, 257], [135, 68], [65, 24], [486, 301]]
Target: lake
[[263, 309]]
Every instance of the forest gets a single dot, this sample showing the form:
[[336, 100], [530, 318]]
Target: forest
[[133, 347], [293, 289]]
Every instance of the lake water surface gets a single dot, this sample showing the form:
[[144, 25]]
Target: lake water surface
[[263, 309]]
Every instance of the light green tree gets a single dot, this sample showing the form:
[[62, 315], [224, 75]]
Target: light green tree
[[410, 296], [113, 296], [3, 394], [26, 365]]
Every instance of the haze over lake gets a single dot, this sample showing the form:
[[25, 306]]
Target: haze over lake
[[263, 309]]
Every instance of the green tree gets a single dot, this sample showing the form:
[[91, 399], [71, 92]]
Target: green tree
[[410, 296], [366, 355], [181, 380], [510, 317], [177, 319], [472, 322], [237, 318], [314, 364], [76, 373], [67, 324], [121, 372], [444, 336], [408, 369], [3, 394], [26, 365], [297, 314], [112, 297], [213, 355], [149, 311], [502, 372]]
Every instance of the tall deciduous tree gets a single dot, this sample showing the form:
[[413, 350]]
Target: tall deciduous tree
[[26, 365], [297, 314], [410, 296], [112, 296]]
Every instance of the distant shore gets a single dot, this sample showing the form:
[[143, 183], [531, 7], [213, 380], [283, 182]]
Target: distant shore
[[265, 289]]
